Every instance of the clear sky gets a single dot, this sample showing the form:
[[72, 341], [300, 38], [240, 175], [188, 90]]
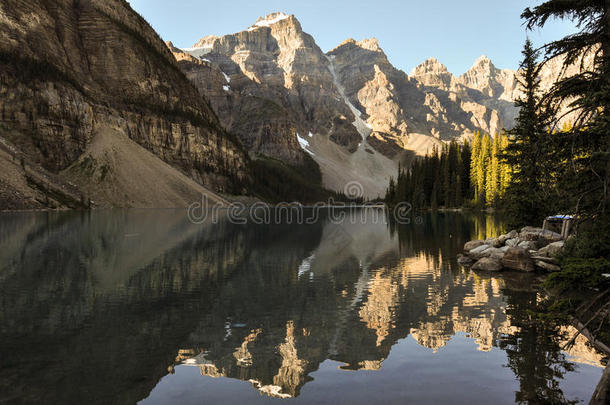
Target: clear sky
[[409, 31]]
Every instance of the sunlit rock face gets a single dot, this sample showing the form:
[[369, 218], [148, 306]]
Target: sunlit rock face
[[489, 80], [271, 84], [70, 68], [280, 85]]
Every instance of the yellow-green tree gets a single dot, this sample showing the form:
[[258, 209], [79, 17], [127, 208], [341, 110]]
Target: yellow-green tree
[[474, 159], [492, 186], [482, 165]]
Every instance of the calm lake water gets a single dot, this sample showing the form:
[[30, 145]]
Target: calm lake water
[[120, 307]]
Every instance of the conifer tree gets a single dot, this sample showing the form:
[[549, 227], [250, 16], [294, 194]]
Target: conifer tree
[[505, 169], [493, 182], [586, 171], [526, 152], [482, 168], [474, 160]]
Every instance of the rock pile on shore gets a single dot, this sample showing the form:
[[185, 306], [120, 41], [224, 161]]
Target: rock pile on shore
[[525, 250]]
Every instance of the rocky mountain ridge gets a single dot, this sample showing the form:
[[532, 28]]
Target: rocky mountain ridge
[[349, 109], [72, 70]]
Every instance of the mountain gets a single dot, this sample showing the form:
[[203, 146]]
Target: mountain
[[83, 82], [96, 108], [349, 109]]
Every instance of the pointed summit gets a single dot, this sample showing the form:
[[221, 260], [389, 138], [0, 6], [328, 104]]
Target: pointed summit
[[431, 65], [269, 20], [483, 62], [489, 80], [432, 73], [482, 59], [371, 44]]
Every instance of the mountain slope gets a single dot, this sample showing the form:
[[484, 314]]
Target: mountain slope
[[70, 68], [359, 116], [114, 171]]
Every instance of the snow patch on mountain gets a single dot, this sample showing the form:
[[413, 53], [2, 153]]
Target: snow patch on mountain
[[363, 128], [304, 144], [198, 52], [269, 20]]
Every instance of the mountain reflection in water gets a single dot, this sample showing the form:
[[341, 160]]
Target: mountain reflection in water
[[120, 306]]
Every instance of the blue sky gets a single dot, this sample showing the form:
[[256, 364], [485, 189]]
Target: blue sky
[[409, 31]]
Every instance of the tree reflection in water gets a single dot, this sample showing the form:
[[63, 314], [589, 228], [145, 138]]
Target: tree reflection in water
[[99, 307]]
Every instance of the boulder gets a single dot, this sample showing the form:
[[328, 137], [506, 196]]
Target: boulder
[[479, 252], [502, 240], [464, 260], [513, 242], [530, 233], [528, 245], [545, 259], [504, 249], [488, 264], [547, 237], [546, 266], [497, 253], [473, 244], [512, 234], [551, 250], [491, 242], [539, 235], [517, 258]]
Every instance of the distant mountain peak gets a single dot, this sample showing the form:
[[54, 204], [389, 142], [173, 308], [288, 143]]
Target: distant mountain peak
[[430, 65], [483, 60], [432, 73], [371, 44], [269, 20]]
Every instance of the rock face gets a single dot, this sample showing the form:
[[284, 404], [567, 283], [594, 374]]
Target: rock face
[[515, 251], [517, 258], [350, 110], [488, 264], [473, 244], [273, 87], [359, 116], [69, 69]]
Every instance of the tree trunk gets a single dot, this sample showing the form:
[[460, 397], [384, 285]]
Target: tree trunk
[[601, 396]]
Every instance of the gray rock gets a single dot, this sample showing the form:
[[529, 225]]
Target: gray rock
[[496, 242], [512, 234], [464, 261], [494, 252], [546, 266], [479, 252], [502, 240], [545, 259], [513, 242], [491, 242], [504, 249], [528, 245], [473, 244], [552, 249], [530, 233], [547, 237], [517, 258], [488, 264], [539, 235]]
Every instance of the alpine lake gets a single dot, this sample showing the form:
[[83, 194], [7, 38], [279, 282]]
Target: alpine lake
[[145, 306]]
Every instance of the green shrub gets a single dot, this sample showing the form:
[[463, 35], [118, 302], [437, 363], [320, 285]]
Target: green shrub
[[579, 275]]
